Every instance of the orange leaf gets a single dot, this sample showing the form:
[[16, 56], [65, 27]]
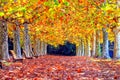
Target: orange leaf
[[79, 70]]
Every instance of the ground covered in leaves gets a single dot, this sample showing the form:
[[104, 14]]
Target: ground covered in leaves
[[61, 68]]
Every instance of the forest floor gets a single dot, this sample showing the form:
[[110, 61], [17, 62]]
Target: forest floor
[[61, 68]]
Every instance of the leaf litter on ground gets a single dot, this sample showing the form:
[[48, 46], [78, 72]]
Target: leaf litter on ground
[[51, 67]]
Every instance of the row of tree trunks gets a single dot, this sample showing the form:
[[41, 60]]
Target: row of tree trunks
[[40, 48], [96, 49], [86, 49], [80, 48]]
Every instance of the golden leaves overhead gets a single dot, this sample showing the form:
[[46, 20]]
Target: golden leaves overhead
[[55, 21]]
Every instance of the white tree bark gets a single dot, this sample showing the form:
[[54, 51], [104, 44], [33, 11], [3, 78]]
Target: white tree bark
[[78, 49], [3, 40], [117, 43], [105, 50], [28, 48], [43, 48], [94, 44], [17, 47], [37, 47], [88, 48], [82, 48], [98, 49], [117, 36]]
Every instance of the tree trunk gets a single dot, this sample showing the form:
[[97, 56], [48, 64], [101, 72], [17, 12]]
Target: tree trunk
[[117, 43], [78, 50], [3, 41], [87, 47], [94, 44], [27, 46], [117, 36], [43, 48], [82, 48], [98, 48], [105, 47], [17, 47], [37, 47]]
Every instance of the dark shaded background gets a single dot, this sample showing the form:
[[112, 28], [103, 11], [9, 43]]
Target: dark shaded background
[[68, 49]]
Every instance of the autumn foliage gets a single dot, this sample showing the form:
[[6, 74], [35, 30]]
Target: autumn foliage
[[54, 22], [57, 21]]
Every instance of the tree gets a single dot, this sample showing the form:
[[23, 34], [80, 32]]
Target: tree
[[105, 49], [117, 36], [17, 47], [3, 40], [98, 48], [27, 45], [93, 43]]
